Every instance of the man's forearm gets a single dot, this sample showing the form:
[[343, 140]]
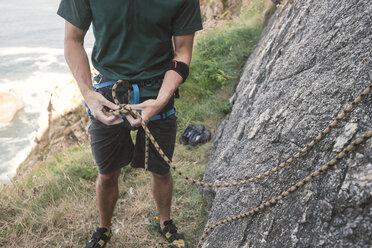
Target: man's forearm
[[172, 79], [77, 60], [170, 84]]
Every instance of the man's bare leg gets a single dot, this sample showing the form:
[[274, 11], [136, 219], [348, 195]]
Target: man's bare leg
[[107, 191], [162, 189]]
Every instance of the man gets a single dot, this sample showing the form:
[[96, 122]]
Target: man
[[133, 42]]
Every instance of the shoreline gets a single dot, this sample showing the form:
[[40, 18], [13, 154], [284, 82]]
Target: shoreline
[[17, 136], [62, 123]]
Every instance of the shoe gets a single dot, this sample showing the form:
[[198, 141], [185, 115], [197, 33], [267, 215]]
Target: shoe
[[200, 128], [194, 132], [170, 233], [99, 238], [186, 134], [207, 135], [200, 136]]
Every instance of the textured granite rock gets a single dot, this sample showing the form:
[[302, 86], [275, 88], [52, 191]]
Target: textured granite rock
[[313, 59]]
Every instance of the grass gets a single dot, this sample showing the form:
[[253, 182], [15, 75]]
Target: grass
[[54, 205]]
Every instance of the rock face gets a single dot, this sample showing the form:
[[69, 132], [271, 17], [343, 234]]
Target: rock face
[[67, 122], [313, 59], [216, 11]]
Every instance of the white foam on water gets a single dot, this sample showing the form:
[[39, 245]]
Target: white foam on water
[[35, 91], [7, 51], [39, 61], [11, 140], [43, 58], [10, 165], [4, 125]]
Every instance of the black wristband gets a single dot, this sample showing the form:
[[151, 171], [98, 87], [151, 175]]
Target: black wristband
[[181, 68]]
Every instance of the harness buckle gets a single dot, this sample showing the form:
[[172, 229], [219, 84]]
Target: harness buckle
[[96, 80]]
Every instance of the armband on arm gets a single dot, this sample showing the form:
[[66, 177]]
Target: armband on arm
[[181, 68]]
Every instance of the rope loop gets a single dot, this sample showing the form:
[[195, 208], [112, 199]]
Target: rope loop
[[126, 110]]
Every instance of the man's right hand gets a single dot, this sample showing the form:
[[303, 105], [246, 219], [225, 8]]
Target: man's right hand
[[96, 103], [78, 62]]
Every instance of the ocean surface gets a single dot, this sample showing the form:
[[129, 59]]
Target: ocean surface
[[32, 63]]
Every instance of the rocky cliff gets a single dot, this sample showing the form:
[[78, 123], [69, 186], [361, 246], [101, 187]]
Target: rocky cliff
[[313, 59], [216, 12], [64, 124], [10, 102]]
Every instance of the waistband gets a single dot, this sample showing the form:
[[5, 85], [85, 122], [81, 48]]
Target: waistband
[[147, 82]]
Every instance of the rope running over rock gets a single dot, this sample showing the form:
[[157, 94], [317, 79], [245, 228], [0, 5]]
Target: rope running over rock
[[292, 189], [125, 110]]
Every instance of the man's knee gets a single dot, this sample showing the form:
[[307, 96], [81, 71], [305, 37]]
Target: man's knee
[[108, 180], [164, 178]]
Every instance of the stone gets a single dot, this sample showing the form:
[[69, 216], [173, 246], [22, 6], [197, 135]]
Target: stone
[[350, 130], [312, 60], [214, 12], [10, 103], [65, 123]]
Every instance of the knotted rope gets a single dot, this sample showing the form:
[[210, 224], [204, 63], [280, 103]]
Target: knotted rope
[[126, 110]]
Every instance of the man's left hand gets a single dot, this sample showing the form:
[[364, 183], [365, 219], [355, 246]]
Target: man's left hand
[[148, 108]]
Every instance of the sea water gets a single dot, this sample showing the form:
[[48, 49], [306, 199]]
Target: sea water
[[32, 63]]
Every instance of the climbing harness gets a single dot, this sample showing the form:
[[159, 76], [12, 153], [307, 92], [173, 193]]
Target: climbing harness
[[133, 98], [125, 110]]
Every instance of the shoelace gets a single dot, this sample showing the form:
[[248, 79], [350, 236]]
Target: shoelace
[[172, 229], [96, 237]]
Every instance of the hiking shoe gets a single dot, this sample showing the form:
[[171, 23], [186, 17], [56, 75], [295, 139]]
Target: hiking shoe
[[200, 136], [99, 238], [170, 233], [187, 134], [197, 131]]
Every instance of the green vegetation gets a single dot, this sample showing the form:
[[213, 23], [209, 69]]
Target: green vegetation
[[54, 205], [217, 61]]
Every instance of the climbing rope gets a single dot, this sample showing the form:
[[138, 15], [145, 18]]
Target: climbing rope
[[147, 144], [292, 189], [126, 110]]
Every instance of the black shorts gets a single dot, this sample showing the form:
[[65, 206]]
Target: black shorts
[[113, 148]]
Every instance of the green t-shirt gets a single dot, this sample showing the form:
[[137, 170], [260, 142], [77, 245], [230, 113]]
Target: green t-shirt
[[133, 38]]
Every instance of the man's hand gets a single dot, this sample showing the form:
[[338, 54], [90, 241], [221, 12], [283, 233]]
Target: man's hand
[[148, 108], [77, 60], [96, 103], [183, 50]]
